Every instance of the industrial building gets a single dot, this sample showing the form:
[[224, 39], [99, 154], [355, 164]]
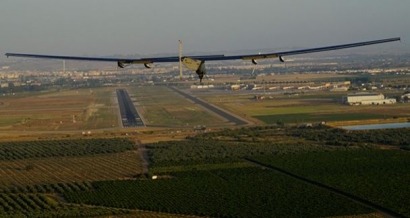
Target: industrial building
[[405, 97], [368, 99]]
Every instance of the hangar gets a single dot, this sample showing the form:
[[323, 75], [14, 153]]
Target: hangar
[[368, 99]]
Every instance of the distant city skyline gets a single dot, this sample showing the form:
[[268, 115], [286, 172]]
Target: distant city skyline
[[104, 27]]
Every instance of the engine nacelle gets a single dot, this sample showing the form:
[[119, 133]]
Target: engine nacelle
[[281, 59], [120, 64]]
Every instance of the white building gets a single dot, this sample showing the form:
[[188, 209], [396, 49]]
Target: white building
[[340, 89], [405, 97], [368, 99]]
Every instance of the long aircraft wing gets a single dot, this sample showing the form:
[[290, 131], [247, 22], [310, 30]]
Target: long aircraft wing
[[196, 63], [206, 57]]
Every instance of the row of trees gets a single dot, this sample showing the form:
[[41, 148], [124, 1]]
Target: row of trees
[[334, 136], [62, 148], [379, 176], [245, 192], [48, 188], [25, 203]]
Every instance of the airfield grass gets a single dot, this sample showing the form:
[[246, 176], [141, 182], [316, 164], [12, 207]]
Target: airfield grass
[[308, 107], [59, 110], [307, 117], [160, 106], [9, 120]]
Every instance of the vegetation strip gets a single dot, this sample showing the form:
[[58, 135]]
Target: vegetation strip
[[62, 148], [362, 201]]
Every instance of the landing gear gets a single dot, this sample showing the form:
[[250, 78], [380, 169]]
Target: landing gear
[[200, 76]]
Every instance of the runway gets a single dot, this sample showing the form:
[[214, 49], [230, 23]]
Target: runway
[[129, 115], [226, 115]]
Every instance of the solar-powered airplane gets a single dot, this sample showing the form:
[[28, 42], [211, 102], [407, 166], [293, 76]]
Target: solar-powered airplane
[[197, 63]]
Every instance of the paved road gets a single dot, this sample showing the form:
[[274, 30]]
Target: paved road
[[230, 117], [129, 115]]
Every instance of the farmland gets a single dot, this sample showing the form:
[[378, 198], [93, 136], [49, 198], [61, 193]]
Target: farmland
[[210, 174], [271, 170], [197, 174], [376, 175], [34, 175], [306, 107], [32, 163], [59, 110], [241, 192]]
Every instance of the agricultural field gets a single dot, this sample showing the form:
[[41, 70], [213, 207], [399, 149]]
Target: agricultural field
[[32, 163], [123, 165], [244, 192], [380, 176], [160, 106], [62, 148], [215, 174], [32, 173], [209, 151], [62, 110], [334, 136], [226, 173], [46, 205], [35, 174], [309, 107], [42, 205]]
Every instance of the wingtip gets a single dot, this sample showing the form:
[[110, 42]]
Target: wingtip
[[8, 54]]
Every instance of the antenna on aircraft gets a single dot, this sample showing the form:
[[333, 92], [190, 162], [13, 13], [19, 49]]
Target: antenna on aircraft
[[180, 59]]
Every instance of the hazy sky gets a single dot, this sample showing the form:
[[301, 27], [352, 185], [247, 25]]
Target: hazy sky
[[106, 27]]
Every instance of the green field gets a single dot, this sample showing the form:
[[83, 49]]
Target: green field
[[316, 117], [210, 175], [334, 136], [210, 151], [244, 192], [307, 107], [160, 106], [213, 174], [380, 176]]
